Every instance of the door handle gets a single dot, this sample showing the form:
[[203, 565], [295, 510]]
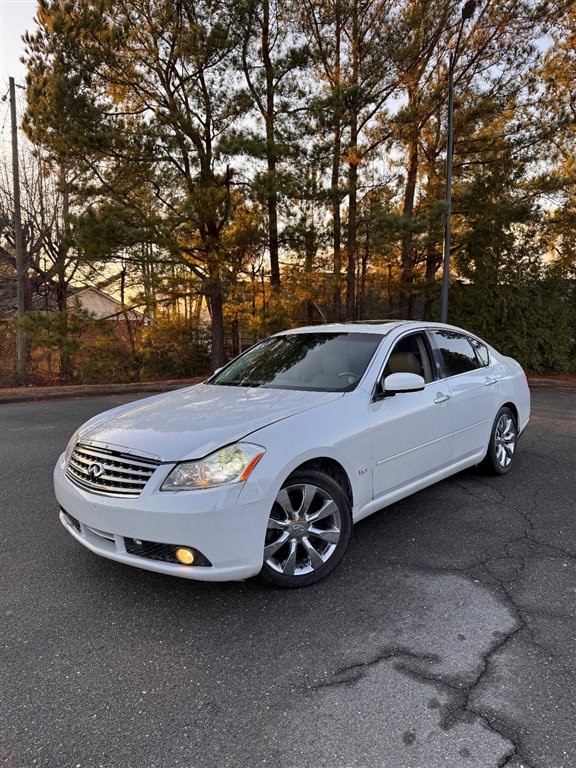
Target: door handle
[[441, 397], [489, 380]]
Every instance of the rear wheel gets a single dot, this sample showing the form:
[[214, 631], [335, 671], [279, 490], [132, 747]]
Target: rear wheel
[[503, 441], [308, 530]]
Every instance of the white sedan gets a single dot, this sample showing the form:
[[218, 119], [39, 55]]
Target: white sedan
[[263, 468]]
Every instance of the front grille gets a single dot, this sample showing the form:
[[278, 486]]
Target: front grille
[[108, 472]]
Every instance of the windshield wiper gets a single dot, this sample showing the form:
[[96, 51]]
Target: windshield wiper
[[240, 383]]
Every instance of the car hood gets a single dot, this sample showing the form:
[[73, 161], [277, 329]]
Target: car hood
[[191, 423]]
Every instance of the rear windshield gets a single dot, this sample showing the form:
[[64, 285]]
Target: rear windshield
[[322, 362]]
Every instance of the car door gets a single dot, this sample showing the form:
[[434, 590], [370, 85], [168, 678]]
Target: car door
[[411, 432], [474, 388]]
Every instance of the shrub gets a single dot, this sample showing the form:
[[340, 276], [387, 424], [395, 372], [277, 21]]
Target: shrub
[[174, 347]]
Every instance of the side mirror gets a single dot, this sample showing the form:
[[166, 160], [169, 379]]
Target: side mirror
[[403, 382]]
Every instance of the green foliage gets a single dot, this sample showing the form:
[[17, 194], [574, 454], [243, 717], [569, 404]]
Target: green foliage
[[56, 331], [340, 109], [96, 351], [101, 231], [105, 359], [74, 346], [174, 347], [527, 311], [513, 292]]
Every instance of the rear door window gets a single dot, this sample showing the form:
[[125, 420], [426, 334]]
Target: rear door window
[[457, 352], [481, 351]]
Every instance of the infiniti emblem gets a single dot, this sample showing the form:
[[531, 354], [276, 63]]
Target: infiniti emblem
[[96, 470], [298, 528]]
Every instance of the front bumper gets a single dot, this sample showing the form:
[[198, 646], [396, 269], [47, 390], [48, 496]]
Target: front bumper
[[213, 521]]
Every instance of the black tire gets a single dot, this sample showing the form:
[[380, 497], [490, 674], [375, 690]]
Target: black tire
[[503, 441], [302, 547]]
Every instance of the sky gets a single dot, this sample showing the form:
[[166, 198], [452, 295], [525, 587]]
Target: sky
[[16, 16]]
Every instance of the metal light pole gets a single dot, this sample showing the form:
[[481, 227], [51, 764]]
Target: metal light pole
[[18, 245], [467, 13]]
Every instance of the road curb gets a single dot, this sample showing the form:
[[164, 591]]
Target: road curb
[[37, 394], [537, 382]]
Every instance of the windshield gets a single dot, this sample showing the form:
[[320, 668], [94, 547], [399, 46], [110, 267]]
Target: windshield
[[324, 362]]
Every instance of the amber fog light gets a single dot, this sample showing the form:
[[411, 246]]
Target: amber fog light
[[184, 556]]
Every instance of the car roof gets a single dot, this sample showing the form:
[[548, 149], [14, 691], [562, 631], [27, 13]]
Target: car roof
[[362, 326], [369, 326]]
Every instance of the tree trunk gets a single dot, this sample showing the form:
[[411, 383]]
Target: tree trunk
[[351, 244], [363, 272], [432, 263], [128, 324], [407, 247], [272, 196], [335, 179], [309, 253], [65, 365], [336, 225], [215, 302]]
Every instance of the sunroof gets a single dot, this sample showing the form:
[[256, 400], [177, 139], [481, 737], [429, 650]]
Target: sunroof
[[374, 322]]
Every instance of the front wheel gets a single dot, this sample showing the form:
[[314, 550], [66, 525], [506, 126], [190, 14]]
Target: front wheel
[[502, 445], [308, 530]]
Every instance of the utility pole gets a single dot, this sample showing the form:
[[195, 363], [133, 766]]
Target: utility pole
[[467, 13], [22, 373], [448, 209]]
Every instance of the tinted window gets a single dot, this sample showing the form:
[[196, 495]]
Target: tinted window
[[481, 351], [315, 361], [456, 351]]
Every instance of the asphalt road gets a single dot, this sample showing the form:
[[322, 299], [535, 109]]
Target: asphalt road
[[445, 639]]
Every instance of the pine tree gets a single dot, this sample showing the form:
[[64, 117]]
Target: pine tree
[[142, 93]]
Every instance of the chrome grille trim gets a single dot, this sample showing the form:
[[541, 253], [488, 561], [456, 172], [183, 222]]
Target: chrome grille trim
[[102, 453], [124, 475]]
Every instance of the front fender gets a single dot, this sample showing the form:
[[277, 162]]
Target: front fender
[[290, 443]]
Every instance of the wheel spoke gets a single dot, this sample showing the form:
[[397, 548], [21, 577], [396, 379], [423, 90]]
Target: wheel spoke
[[332, 536], [316, 559], [277, 525], [505, 440], [327, 509], [505, 430], [290, 565], [275, 546], [308, 493], [284, 500]]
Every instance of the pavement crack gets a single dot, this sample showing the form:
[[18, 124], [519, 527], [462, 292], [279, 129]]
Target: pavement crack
[[556, 548], [459, 708], [514, 754], [351, 674]]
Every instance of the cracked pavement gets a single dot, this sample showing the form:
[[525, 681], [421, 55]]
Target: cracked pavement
[[445, 639]]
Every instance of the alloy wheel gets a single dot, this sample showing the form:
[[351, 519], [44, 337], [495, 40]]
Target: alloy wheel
[[505, 440], [303, 530]]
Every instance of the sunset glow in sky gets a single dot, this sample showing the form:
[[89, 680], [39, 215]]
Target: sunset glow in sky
[[16, 16]]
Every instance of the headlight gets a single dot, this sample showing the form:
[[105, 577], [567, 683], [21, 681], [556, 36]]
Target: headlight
[[71, 443], [232, 464]]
